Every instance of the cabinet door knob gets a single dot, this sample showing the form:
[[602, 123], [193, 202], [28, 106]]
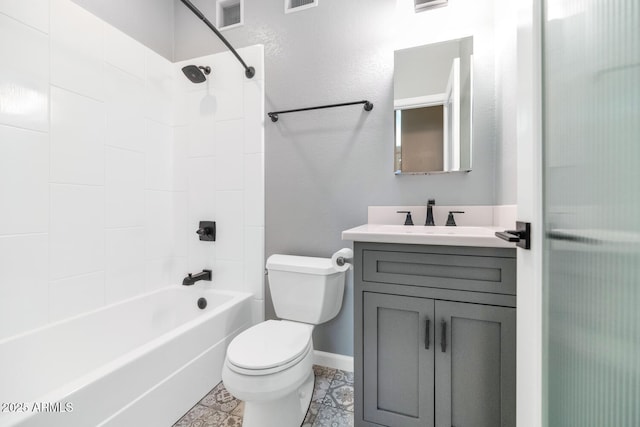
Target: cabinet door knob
[[426, 334], [443, 336]]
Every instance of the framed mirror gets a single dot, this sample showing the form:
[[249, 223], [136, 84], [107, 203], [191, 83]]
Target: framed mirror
[[433, 105]]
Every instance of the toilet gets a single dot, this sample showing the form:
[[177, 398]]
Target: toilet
[[269, 365]]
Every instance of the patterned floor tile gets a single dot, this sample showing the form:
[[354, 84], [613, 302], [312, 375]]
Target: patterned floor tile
[[239, 411], [333, 417], [231, 421], [220, 399], [312, 413], [344, 376], [323, 371], [320, 389], [340, 395], [196, 413], [331, 405], [215, 419]]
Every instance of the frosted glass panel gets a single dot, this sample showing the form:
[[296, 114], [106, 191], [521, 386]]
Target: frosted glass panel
[[591, 72]]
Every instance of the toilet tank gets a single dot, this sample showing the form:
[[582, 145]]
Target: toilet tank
[[305, 289]]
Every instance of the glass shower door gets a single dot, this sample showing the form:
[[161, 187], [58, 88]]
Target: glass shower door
[[591, 112]]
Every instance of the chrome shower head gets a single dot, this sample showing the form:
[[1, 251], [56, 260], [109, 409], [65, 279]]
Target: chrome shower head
[[195, 73]]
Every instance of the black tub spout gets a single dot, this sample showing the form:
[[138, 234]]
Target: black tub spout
[[193, 278]]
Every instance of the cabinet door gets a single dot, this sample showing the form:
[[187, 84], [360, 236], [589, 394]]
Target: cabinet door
[[398, 371], [475, 365]]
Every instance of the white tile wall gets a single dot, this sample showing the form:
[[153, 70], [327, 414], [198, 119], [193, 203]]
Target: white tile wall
[[230, 225], [23, 297], [181, 228], [24, 159], [34, 13], [202, 138], [254, 267], [224, 183], [226, 85], [254, 189], [125, 265], [77, 138], [109, 157], [75, 295], [124, 105], [77, 49], [160, 88], [122, 51], [124, 188], [158, 224], [163, 272], [159, 156], [24, 75], [254, 116], [229, 164], [76, 236]]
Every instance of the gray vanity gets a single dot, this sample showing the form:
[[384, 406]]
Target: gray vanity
[[435, 334]]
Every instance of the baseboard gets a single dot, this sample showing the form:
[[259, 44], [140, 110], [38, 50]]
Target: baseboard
[[332, 360]]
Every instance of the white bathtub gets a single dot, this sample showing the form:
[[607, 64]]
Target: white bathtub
[[142, 362]]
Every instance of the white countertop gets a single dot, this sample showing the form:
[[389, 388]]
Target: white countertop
[[423, 235]]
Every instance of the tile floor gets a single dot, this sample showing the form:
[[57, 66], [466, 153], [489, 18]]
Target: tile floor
[[331, 404]]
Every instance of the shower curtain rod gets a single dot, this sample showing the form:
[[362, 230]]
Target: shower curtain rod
[[368, 106], [248, 71]]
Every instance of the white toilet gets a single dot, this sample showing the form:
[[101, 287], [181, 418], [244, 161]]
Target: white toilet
[[269, 365]]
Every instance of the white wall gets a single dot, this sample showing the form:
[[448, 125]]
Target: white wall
[[96, 195]]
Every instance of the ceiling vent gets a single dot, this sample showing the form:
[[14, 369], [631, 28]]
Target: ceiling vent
[[422, 5], [229, 13], [297, 5]]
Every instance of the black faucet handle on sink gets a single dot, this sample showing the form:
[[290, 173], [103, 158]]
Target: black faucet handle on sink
[[408, 220], [451, 221]]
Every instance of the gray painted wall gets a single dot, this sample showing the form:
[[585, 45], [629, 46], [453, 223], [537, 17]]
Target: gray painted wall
[[324, 168], [151, 22]]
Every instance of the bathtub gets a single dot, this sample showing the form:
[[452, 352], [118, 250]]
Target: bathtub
[[141, 362]]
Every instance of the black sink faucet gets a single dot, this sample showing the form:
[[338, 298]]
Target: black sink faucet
[[429, 220], [193, 278]]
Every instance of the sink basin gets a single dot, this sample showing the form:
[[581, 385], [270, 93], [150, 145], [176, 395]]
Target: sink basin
[[423, 235]]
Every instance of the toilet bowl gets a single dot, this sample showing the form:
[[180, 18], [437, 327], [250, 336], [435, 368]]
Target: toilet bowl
[[270, 365]]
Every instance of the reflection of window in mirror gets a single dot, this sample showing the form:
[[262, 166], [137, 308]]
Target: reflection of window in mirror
[[421, 132]]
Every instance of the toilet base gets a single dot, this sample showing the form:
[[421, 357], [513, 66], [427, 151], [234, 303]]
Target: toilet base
[[287, 411]]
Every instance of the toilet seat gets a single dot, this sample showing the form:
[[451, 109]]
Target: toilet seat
[[269, 347]]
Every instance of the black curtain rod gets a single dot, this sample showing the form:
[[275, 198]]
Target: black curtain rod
[[248, 71], [368, 106]]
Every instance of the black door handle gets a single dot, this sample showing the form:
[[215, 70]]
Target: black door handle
[[521, 236], [509, 235], [443, 336]]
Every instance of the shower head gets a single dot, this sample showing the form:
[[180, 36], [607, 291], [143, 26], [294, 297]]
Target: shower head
[[195, 74]]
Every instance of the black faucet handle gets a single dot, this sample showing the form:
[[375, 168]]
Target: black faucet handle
[[207, 231], [451, 221], [408, 220], [431, 202]]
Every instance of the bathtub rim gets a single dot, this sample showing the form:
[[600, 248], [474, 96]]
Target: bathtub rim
[[42, 328], [60, 393]]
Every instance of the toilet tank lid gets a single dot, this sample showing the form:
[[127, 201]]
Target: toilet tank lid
[[300, 264]]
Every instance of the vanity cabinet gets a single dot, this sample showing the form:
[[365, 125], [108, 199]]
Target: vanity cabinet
[[435, 336]]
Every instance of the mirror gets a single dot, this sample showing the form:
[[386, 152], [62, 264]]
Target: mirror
[[433, 100]]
